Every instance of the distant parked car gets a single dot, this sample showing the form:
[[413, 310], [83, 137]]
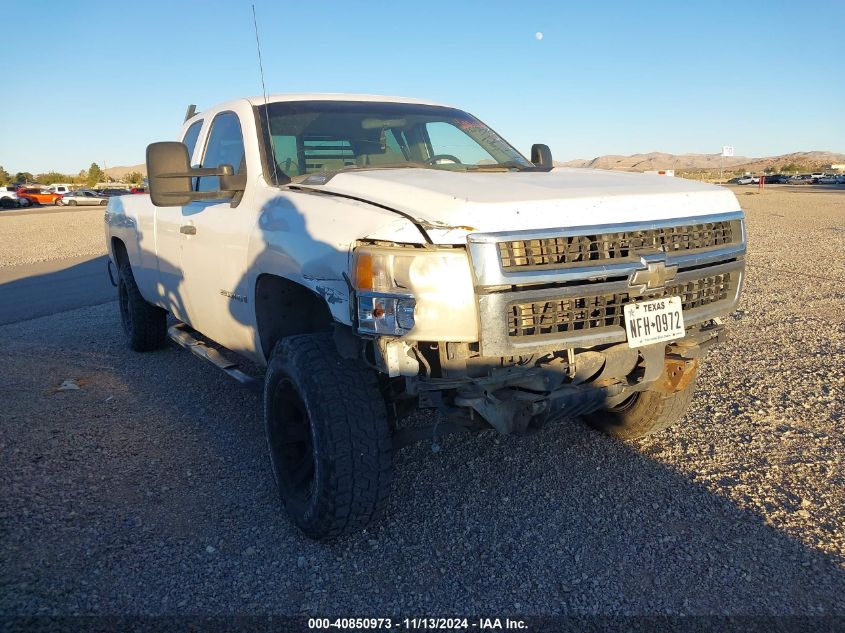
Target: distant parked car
[[38, 196], [776, 179], [9, 198], [744, 180], [84, 196], [115, 192], [137, 190], [15, 187], [827, 180], [800, 179]]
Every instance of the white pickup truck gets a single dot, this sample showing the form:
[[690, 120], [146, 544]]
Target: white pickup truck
[[373, 255]]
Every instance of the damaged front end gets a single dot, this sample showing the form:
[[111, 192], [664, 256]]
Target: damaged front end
[[515, 394], [527, 327]]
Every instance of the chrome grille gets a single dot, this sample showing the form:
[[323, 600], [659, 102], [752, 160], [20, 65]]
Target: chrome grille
[[577, 314], [615, 247]]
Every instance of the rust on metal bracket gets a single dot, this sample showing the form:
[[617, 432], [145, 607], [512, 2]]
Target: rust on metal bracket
[[677, 375]]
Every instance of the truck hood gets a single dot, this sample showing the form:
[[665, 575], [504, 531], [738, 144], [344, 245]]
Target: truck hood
[[449, 205]]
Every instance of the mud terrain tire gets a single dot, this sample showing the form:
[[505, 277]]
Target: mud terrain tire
[[644, 413], [328, 436], [144, 324]]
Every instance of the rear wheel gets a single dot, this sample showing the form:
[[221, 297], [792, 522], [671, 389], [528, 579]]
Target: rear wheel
[[103, 203], [144, 324], [644, 413], [327, 435]]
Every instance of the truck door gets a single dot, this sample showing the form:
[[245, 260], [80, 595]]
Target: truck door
[[169, 240], [214, 250]]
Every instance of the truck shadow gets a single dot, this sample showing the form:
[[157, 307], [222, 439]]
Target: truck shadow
[[565, 520]]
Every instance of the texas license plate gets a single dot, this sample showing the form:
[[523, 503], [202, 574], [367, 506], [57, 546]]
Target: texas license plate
[[654, 321]]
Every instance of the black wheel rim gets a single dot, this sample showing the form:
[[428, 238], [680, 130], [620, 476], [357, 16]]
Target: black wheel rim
[[123, 301], [291, 444]]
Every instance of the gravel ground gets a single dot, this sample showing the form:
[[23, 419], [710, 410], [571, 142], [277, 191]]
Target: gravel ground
[[147, 491], [47, 233]]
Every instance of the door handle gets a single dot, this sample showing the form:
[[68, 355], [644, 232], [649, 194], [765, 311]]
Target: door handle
[[188, 229]]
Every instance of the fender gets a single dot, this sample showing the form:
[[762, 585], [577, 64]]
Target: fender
[[313, 249], [125, 221]]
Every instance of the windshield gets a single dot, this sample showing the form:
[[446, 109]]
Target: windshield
[[329, 136]]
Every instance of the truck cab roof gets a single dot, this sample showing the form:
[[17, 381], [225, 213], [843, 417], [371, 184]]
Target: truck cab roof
[[314, 96], [338, 96]]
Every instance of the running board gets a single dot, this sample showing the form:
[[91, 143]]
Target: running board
[[182, 336]]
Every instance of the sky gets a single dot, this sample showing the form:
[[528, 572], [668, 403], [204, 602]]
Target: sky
[[97, 81]]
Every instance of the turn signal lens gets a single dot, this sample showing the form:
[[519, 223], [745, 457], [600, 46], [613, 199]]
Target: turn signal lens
[[364, 271]]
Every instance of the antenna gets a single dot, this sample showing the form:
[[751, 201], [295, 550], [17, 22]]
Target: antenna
[[266, 106]]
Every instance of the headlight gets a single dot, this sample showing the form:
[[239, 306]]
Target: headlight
[[416, 293], [380, 313]]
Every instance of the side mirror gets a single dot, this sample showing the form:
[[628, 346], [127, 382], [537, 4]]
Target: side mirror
[[541, 156], [171, 176]]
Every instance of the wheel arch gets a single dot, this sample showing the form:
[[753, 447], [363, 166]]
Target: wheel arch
[[119, 252], [284, 308]]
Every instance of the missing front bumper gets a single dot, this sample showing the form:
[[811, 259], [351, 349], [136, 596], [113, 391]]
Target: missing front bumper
[[598, 379]]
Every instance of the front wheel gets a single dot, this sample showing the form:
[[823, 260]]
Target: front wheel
[[103, 203], [327, 435], [72, 203], [644, 413]]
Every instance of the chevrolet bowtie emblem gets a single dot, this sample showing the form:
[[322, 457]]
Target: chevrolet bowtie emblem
[[655, 275]]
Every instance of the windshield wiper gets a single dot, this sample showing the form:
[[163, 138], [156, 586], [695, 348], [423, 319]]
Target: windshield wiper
[[511, 164], [404, 165]]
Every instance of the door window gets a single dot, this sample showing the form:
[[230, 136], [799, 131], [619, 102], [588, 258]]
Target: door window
[[225, 146], [190, 138]]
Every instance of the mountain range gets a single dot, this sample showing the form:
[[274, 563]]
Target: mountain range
[[706, 162], [120, 171]]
